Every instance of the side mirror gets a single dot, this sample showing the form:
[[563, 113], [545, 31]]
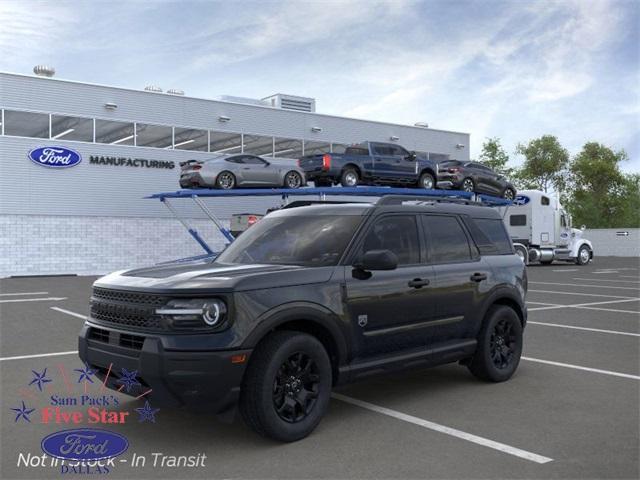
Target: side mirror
[[412, 156], [377, 260]]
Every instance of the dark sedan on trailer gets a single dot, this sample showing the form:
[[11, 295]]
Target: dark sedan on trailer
[[241, 170], [474, 177]]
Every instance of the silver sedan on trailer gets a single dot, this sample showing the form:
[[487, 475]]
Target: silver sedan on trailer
[[241, 170]]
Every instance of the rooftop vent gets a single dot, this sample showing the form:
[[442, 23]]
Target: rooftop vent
[[421, 124], [175, 91], [291, 102], [44, 71], [153, 88]]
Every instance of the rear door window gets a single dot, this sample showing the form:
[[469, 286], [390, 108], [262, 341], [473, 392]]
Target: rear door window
[[518, 220], [448, 243], [490, 236]]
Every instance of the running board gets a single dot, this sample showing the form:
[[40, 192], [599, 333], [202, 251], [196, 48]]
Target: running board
[[438, 354]]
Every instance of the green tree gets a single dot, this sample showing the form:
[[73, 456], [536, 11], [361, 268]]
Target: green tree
[[544, 165], [600, 195], [494, 156]]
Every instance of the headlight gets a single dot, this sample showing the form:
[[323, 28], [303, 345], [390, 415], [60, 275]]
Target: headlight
[[194, 313]]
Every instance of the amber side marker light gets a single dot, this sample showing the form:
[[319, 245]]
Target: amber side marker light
[[239, 358]]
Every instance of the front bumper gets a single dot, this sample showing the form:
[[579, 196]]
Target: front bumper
[[181, 377]]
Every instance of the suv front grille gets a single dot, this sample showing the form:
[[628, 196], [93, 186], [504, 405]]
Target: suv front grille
[[127, 309]]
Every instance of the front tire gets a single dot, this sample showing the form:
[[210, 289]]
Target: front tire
[[508, 194], [225, 180], [427, 181], [293, 179], [499, 345], [584, 255], [287, 386]]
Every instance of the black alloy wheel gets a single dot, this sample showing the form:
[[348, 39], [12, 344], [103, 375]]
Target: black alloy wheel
[[296, 387], [502, 344], [509, 194]]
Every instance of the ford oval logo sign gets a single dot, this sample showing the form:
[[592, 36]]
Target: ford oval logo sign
[[55, 157], [521, 200], [84, 444]]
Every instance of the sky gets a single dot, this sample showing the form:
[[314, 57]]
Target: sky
[[514, 70]]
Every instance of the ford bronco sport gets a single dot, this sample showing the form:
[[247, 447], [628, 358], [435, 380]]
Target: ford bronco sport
[[310, 298]]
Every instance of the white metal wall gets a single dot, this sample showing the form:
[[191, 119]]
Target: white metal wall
[[612, 242]]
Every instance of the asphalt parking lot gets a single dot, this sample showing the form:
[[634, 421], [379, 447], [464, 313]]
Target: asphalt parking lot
[[571, 411]]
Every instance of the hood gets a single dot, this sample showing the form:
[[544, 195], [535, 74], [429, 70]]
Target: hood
[[206, 276]]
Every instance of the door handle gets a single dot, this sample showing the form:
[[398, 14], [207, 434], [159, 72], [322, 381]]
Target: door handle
[[478, 277], [418, 283], [246, 168]]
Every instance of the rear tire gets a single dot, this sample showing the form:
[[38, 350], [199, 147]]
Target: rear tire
[[509, 194], [292, 180], [225, 180], [349, 178], [468, 185], [499, 345], [287, 386]]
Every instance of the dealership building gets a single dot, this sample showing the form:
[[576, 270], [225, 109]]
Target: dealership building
[[92, 217]]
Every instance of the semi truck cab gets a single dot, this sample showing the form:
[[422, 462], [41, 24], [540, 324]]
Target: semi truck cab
[[541, 230]]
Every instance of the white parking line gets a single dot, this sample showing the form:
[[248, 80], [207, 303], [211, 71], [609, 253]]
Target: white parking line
[[485, 442], [547, 304], [22, 357], [588, 286], [582, 294], [628, 276], [567, 270], [604, 280], [73, 314], [579, 367], [605, 272], [48, 299], [572, 327], [633, 312], [23, 293], [584, 305]]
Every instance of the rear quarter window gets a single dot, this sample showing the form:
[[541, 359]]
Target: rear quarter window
[[490, 236]]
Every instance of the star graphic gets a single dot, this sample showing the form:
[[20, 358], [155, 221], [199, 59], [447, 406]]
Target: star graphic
[[128, 379], [85, 373], [39, 379], [147, 413], [23, 412]]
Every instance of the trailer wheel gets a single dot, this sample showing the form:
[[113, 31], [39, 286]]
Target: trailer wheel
[[226, 180], [468, 185], [349, 177], [427, 181], [584, 255]]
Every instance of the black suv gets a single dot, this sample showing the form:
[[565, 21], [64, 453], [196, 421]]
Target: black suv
[[474, 177], [309, 298]]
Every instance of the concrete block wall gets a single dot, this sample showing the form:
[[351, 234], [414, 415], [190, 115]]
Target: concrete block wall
[[45, 245], [607, 242]]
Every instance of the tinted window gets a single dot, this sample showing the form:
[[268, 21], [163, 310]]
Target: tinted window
[[234, 160], [114, 133], [313, 241], [518, 220], [399, 151], [71, 128], [382, 150], [356, 151], [490, 236], [447, 240], [398, 234], [544, 201], [253, 160], [26, 124]]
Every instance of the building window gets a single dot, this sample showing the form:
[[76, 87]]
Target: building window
[[190, 139], [225, 142], [157, 136], [26, 124], [287, 148], [71, 128], [314, 148], [258, 145], [114, 133]]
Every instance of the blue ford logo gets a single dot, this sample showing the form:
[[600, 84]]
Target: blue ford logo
[[521, 200], [55, 157], [84, 444]]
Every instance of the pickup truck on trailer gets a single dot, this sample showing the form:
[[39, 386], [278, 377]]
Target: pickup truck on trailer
[[371, 163]]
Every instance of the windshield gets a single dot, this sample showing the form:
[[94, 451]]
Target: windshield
[[313, 241]]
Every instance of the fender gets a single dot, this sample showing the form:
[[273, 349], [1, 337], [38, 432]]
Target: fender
[[576, 246], [307, 311], [504, 293]]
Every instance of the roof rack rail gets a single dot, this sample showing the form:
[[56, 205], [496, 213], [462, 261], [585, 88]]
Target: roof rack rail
[[398, 199]]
